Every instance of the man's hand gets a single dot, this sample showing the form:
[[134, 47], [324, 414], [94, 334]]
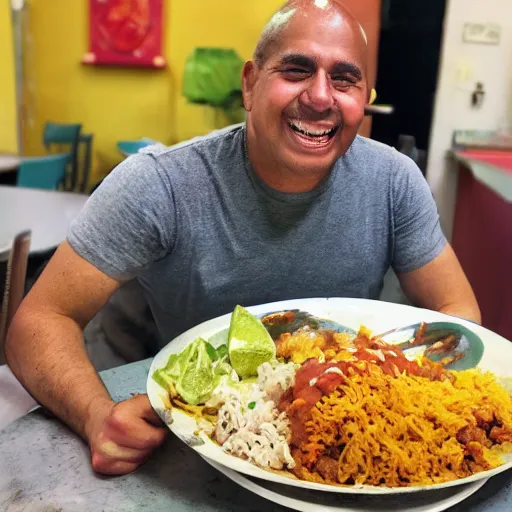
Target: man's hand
[[122, 436]]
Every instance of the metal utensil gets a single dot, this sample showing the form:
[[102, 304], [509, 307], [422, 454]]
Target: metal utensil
[[451, 344]]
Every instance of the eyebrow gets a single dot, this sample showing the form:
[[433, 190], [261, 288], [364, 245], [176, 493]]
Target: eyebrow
[[343, 68], [296, 59], [304, 61]]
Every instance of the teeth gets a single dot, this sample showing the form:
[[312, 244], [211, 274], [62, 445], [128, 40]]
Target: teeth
[[298, 126]]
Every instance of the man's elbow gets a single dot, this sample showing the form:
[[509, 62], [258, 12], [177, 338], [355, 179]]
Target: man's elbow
[[476, 314], [14, 338], [468, 311], [22, 333]]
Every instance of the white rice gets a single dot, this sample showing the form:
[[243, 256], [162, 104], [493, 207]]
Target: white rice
[[249, 425]]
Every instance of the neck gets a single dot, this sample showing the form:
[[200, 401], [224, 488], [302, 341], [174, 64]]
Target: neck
[[276, 175]]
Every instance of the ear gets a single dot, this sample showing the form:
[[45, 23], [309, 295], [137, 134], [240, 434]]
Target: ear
[[249, 78]]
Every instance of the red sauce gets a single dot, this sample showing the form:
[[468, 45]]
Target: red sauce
[[312, 381]]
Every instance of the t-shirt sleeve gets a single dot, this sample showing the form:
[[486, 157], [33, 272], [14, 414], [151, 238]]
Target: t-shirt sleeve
[[129, 221], [418, 237]]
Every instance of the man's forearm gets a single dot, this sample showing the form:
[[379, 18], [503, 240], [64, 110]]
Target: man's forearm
[[441, 285], [47, 354], [468, 311]]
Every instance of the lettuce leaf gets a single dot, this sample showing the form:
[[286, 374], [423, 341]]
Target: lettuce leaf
[[193, 372], [216, 353]]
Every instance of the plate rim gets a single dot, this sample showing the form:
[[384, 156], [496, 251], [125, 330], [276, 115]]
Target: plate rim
[[292, 503], [337, 303]]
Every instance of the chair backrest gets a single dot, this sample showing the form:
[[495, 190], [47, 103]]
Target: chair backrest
[[130, 147], [61, 133], [85, 159], [45, 172], [66, 138], [14, 289]]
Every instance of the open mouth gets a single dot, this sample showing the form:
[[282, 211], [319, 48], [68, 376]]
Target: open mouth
[[313, 137]]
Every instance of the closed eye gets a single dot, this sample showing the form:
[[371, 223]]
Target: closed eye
[[343, 82], [344, 78], [296, 73]]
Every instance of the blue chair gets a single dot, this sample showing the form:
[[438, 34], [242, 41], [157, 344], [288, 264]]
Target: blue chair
[[85, 159], [45, 172], [130, 147], [62, 138]]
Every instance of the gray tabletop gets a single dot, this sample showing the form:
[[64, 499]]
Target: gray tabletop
[[44, 467], [9, 163], [46, 213]]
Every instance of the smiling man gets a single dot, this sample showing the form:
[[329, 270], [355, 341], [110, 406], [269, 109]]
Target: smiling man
[[305, 92], [291, 204]]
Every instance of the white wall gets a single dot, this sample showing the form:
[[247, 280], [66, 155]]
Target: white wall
[[462, 65]]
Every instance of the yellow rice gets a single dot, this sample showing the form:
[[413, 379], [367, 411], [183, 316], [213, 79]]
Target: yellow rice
[[402, 431]]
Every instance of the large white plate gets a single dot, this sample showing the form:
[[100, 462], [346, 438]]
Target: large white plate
[[305, 500], [377, 316]]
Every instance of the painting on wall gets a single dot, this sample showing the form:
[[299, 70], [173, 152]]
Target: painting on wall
[[125, 33]]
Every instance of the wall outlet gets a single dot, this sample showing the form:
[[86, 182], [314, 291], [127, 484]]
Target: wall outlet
[[482, 33]]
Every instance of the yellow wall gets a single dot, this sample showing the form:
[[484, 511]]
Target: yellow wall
[[117, 103], [8, 119]]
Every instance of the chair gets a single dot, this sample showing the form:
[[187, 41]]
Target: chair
[[46, 172], [85, 159], [66, 137], [14, 289], [130, 147]]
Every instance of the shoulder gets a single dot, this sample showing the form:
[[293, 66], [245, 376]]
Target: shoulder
[[374, 152], [382, 162], [205, 147], [157, 169]]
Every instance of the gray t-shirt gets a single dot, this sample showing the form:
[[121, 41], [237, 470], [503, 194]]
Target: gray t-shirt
[[202, 232]]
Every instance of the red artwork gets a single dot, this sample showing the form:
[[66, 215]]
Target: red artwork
[[125, 33]]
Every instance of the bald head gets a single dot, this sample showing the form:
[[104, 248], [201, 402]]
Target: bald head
[[319, 10]]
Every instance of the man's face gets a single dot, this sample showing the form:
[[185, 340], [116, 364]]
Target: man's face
[[306, 103]]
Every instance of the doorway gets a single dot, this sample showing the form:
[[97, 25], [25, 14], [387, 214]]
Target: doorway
[[408, 62]]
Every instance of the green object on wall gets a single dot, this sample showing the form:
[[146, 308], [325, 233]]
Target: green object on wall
[[213, 77]]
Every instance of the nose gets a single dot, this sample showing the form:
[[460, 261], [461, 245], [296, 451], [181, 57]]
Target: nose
[[318, 95]]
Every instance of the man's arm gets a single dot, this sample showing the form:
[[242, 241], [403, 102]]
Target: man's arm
[[428, 270], [441, 285], [45, 350]]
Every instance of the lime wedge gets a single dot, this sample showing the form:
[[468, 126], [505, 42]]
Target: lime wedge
[[249, 343]]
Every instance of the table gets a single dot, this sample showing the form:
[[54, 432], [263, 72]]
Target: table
[[45, 467], [47, 213], [9, 168], [9, 163]]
